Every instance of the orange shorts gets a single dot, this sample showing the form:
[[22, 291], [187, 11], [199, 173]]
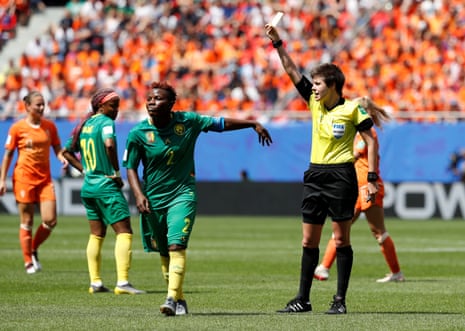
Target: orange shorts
[[362, 203], [28, 193]]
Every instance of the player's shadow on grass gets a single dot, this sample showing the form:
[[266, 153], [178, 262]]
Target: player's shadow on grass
[[155, 291], [231, 314], [406, 313]]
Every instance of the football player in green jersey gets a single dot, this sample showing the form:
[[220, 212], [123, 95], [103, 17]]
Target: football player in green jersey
[[164, 144], [330, 183], [95, 140]]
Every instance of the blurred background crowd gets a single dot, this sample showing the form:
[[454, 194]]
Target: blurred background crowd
[[408, 56]]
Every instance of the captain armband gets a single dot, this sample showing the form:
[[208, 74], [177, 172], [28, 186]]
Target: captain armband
[[217, 125]]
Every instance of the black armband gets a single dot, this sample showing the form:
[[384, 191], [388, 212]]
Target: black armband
[[372, 177], [277, 43]]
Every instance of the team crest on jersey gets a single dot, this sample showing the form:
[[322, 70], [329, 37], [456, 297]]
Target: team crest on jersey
[[179, 129], [338, 130], [150, 136]]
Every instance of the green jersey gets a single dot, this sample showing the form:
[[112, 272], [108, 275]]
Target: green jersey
[[167, 156], [334, 131], [97, 166]]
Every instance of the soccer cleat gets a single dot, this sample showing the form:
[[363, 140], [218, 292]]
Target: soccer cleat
[[35, 261], [321, 273], [98, 289], [338, 306], [127, 289], [30, 268], [169, 307], [296, 305], [397, 277], [181, 307]]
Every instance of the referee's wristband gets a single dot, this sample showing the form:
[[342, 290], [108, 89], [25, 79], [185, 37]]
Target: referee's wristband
[[277, 43], [372, 177]]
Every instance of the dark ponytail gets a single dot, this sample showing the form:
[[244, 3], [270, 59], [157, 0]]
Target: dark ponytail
[[77, 131]]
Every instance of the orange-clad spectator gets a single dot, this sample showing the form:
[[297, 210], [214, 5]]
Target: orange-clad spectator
[[8, 24], [152, 39], [13, 81], [32, 137], [82, 105], [296, 104], [62, 104]]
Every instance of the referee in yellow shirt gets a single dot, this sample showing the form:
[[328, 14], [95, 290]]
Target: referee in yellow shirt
[[330, 183]]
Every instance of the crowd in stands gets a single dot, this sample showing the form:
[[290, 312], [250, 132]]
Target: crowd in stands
[[14, 13], [406, 55]]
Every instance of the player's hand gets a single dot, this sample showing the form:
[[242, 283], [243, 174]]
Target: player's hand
[[264, 136], [372, 189], [117, 179], [272, 32], [142, 204], [2, 188]]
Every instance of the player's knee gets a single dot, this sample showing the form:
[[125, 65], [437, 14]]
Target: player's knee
[[176, 247], [382, 238], [49, 224]]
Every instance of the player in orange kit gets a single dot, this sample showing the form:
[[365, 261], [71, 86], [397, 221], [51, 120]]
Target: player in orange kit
[[32, 136], [373, 210]]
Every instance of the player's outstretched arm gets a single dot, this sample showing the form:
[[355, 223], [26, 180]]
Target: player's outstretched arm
[[264, 136]]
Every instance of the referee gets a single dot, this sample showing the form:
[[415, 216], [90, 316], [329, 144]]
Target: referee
[[330, 183]]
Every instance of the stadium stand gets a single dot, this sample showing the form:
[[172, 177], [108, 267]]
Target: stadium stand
[[407, 55]]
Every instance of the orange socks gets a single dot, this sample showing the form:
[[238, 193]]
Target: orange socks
[[330, 254], [42, 233], [25, 240], [389, 251]]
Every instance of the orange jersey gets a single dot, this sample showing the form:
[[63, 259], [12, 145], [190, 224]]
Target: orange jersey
[[33, 144], [361, 163], [361, 167]]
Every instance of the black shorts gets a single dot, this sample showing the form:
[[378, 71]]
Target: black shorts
[[329, 190]]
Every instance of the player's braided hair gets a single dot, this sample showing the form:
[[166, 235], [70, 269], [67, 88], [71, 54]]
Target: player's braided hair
[[100, 96], [97, 100]]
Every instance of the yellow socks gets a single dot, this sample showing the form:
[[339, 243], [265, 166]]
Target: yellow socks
[[177, 270], [165, 265], [123, 256], [94, 258]]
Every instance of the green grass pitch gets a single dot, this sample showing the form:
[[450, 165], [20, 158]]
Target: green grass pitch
[[239, 271]]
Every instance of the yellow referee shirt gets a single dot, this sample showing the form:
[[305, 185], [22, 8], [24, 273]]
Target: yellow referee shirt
[[333, 131]]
